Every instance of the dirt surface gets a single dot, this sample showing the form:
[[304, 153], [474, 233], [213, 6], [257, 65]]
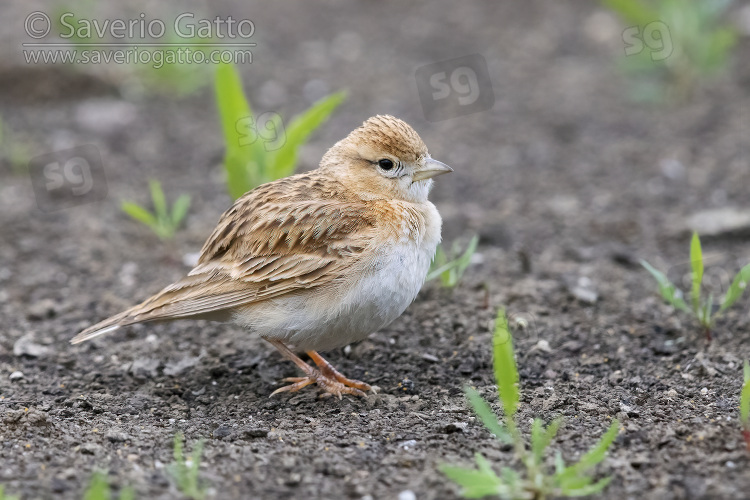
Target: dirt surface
[[566, 181]]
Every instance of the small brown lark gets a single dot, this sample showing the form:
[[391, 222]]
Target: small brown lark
[[317, 260]]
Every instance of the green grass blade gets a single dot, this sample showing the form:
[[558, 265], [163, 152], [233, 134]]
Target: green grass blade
[[590, 489], [127, 493], [537, 439], [474, 483], [483, 464], [632, 11], [139, 213], [3, 496], [438, 271], [706, 309], [541, 437], [511, 478], [487, 416], [745, 398], [194, 466], [465, 259], [179, 459], [593, 456], [737, 288], [180, 209], [160, 202], [696, 263], [667, 290], [506, 372], [283, 161], [98, 488], [439, 264], [234, 111], [186, 477], [559, 463], [573, 483]]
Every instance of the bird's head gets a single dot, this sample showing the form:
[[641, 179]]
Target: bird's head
[[384, 158]]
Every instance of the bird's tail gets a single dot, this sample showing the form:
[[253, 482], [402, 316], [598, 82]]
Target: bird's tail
[[185, 299], [108, 325]]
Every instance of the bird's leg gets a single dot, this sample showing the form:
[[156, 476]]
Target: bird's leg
[[327, 378], [329, 371]]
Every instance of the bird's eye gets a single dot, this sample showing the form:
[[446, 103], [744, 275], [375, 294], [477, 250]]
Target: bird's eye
[[385, 164]]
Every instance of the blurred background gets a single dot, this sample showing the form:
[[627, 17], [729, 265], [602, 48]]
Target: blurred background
[[584, 136]]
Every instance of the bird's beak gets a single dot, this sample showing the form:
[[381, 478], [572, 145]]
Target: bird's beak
[[430, 169]]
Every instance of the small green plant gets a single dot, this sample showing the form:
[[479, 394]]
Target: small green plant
[[450, 269], [256, 152], [166, 74], [538, 483], [14, 149], [745, 404], [700, 307], [167, 70], [98, 489], [185, 472], [163, 222], [672, 45], [4, 496]]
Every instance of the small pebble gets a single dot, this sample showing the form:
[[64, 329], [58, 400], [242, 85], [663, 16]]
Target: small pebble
[[16, 376], [430, 358], [407, 445], [222, 431], [255, 433], [455, 427], [583, 290], [407, 495], [704, 391], [25, 346]]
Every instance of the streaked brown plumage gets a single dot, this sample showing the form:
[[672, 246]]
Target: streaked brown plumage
[[318, 259]]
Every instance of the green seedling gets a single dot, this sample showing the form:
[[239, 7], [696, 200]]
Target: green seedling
[[163, 221], [166, 74], [260, 151], [6, 496], [745, 404], [167, 70], [98, 489], [700, 307], [185, 472], [14, 148], [538, 482], [450, 269], [673, 45]]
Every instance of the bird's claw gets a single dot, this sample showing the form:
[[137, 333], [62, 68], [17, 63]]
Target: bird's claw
[[331, 385]]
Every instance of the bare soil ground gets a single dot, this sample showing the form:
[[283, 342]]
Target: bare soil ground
[[565, 180]]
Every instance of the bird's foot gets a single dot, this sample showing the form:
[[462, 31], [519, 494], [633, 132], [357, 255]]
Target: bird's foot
[[328, 384], [326, 376], [328, 371]]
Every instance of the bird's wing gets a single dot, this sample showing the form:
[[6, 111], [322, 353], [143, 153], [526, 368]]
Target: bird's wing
[[273, 241]]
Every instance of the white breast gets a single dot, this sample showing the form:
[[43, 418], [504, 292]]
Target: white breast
[[388, 284]]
